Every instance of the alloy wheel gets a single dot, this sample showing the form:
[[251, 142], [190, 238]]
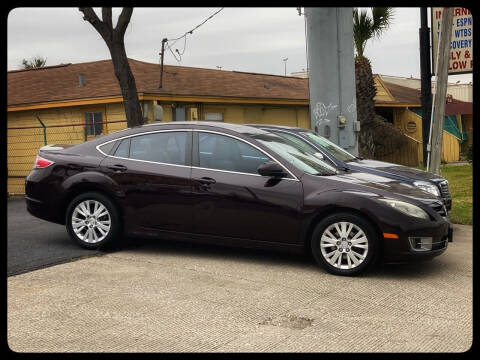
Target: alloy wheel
[[344, 245], [91, 221]]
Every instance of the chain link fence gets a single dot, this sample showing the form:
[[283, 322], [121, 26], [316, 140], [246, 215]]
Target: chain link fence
[[23, 144]]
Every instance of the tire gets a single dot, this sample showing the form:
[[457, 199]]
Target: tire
[[342, 255], [105, 228]]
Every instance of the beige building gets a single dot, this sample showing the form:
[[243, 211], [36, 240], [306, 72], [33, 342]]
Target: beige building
[[72, 103]]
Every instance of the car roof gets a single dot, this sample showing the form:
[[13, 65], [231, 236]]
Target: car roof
[[244, 129], [280, 127]]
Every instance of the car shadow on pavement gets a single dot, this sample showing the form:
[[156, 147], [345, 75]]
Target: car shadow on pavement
[[268, 257], [184, 248]]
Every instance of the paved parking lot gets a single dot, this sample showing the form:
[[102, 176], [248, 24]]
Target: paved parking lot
[[33, 243], [169, 297]]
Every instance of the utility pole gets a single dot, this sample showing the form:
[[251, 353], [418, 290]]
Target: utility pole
[[426, 76], [161, 65], [438, 111], [333, 110], [285, 62]]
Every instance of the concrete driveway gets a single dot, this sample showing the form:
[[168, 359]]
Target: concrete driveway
[[172, 297]]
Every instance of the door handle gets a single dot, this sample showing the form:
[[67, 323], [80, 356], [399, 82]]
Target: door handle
[[118, 168], [205, 180]]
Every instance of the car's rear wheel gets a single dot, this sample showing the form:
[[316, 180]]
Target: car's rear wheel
[[92, 220], [344, 244]]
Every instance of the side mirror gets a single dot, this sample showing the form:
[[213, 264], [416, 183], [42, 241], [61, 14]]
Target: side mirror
[[271, 169]]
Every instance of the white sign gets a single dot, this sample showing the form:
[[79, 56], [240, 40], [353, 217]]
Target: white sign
[[461, 43]]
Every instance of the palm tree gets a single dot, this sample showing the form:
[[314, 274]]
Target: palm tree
[[374, 129], [34, 63]]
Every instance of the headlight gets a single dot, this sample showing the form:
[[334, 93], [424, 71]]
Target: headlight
[[428, 187], [407, 208]]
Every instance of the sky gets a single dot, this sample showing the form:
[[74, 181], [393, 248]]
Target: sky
[[242, 39]]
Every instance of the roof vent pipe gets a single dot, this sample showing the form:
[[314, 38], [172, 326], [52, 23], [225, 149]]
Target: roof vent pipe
[[81, 80]]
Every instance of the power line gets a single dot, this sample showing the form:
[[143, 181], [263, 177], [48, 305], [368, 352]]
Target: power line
[[196, 27], [179, 59], [184, 36]]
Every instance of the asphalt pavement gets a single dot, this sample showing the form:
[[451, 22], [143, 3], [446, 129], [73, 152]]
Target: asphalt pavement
[[33, 243]]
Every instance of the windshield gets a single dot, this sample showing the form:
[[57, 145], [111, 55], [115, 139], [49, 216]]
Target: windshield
[[302, 157], [330, 147]]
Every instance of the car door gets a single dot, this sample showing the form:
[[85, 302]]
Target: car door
[[233, 200], [153, 171]]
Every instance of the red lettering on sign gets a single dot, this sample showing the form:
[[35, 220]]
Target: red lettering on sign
[[452, 55], [463, 64], [461, 11], [471, 64]]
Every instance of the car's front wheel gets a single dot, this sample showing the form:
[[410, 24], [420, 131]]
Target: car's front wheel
[[344, 244], [92, 220]]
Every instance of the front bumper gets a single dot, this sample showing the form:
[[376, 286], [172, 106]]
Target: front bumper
[[401, 249]]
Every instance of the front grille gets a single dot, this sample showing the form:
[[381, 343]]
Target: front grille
[[444, 190]]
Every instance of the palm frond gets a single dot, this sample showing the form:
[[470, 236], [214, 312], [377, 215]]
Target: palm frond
[[362, 29], [382, 18]]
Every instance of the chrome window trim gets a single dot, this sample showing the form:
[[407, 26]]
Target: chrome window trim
[[249, 143], [140, 134], [188, 166]]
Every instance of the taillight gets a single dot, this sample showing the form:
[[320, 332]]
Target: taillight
[[41, 163]]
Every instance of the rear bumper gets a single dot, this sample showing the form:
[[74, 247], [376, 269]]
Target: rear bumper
[[401, 250], [42, 198], [42, 211]]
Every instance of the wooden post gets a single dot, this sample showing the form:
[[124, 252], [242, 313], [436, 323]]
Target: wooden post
[[426, 75], [438, 111], [161, 65]]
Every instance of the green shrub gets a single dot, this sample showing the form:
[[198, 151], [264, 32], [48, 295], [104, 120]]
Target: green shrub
[[470, 153]]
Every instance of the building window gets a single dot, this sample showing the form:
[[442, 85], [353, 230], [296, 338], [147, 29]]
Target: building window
[[214, 116], [93, 123]]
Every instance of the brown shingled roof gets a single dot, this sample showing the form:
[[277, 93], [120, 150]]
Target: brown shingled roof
[[403, 94], [60, 83]]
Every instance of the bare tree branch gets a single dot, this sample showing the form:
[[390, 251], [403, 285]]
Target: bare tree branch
[[107, 16], [114, 41], [123, 20], [100, 26]]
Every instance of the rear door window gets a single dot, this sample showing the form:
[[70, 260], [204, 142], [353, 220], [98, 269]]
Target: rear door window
[[164, 147]]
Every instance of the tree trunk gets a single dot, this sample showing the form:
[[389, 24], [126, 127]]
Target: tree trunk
[[126, 80], [114, 38], [377, 137], [366, 92]]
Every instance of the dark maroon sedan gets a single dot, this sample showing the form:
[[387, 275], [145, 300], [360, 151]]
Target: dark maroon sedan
[[234, 185]]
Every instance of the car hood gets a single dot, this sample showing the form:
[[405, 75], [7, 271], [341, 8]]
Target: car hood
[[395, 169], [383, 183]]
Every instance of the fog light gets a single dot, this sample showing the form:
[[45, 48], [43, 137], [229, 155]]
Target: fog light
[[420, 243]]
